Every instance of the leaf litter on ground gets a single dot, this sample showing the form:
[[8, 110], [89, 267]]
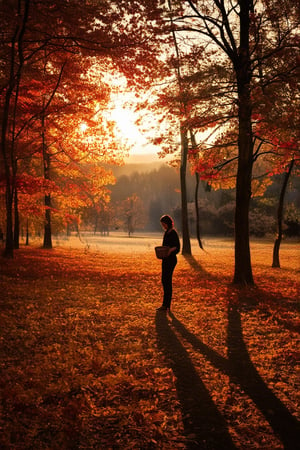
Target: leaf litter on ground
[[86, 362]]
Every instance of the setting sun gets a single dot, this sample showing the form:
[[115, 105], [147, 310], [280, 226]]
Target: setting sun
[[129, 131], [83, 127], [122, 111]]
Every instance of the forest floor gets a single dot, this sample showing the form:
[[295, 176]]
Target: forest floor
[[86, 361]]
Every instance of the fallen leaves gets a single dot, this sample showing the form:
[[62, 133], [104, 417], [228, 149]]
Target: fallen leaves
[[87, 363]]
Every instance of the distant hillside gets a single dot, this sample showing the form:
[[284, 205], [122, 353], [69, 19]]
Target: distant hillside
[[138, 163]]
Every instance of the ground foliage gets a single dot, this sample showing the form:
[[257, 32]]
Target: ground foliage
[[87, 362]]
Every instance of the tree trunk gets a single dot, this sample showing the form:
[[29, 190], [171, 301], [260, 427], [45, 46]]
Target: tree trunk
[[17, 222], [243, 270], [129, 225], [27, 231], [197, 211], [276, 262], [9, 239], [194, 145], [186, 244], [96, 223], [47, 226], [14, 76]]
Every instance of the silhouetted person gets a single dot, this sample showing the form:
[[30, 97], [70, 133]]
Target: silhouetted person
[[170, 240]]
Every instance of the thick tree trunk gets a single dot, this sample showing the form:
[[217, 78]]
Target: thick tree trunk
[[276, 262], [15, 74], [243, 269], [9, 238], [186, 244]]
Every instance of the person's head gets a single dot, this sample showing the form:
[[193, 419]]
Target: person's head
[[167, 222]]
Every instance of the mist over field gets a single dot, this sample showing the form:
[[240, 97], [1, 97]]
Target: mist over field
[[144, 242], [115, 242], [140, 242]]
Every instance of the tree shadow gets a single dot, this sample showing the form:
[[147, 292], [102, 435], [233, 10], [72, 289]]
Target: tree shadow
[[204, 426], [243, 372], [200, 414], [196, 266]]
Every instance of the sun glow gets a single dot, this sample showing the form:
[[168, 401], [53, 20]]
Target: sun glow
[[129, 132], [83, 127], [124, 113]]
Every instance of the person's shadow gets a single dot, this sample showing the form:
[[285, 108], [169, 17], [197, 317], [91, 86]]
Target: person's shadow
[[204, 426]]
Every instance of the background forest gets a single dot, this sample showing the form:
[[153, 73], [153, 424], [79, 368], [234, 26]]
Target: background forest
[[142, 192], [154, 189]]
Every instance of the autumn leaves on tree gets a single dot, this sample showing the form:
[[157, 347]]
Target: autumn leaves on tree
[[228, 61], [221, 77]]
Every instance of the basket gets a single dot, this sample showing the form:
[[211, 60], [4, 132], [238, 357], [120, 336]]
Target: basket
[[161, 252]]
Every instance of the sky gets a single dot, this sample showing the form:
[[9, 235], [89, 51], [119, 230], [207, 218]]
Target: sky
[[131, 135], [123, 105]]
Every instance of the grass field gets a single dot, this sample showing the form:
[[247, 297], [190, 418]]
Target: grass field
[[86, 362]]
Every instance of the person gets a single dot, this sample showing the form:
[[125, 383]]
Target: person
[[170, 240]]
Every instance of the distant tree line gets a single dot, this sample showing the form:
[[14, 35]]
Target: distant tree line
[[157, 191], [139, 197]]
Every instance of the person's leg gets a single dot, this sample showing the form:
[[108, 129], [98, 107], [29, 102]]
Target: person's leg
[[167, 274]]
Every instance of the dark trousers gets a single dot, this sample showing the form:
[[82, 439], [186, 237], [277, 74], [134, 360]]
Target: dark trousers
[[168, 266]]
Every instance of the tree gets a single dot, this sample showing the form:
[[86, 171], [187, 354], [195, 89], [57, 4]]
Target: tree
[[229, 29], [54, 34], [133, 214], [13, 51], [276, 262], [186, 244], [194, 145], [237, 37]]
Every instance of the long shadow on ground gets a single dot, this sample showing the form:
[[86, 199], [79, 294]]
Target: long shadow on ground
[[202, 420], [204, 426], [197, 267], [243, 372]]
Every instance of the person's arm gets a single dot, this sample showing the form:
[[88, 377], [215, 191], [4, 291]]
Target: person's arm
[[171, 250]]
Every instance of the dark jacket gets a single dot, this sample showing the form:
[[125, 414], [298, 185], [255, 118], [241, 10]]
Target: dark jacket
[[171, 239]]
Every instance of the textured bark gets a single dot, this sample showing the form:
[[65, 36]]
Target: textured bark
[[242, 63], [16, 65]]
